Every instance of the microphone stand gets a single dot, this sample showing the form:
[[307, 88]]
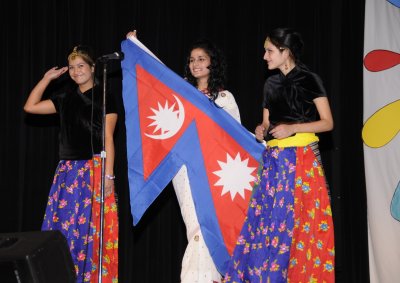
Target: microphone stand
[[104, 59], [103, 170]]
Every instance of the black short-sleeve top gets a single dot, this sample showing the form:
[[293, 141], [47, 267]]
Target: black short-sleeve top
[[75, 111], [289, 99]]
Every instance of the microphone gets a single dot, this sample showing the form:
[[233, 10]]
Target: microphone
[[113, 56]]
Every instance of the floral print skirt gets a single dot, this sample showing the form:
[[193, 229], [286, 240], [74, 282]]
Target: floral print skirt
[[73, 207], [288, 232]]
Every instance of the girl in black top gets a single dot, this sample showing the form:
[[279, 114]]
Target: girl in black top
[[288, 232], [73, 205]]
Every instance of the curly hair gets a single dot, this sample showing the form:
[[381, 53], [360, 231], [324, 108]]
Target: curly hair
[[217, 79]]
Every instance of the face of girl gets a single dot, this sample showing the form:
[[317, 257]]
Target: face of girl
[[198, 64], [81, 72], [274, 57]]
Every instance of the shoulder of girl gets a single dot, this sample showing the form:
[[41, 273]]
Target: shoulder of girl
[[225, 93]]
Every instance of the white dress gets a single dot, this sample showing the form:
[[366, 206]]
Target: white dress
[[197, 264]]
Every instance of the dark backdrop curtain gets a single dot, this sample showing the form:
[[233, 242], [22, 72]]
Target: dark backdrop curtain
[[36, 35]]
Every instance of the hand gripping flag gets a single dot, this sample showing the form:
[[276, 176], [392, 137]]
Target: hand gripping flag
[[170, 123]]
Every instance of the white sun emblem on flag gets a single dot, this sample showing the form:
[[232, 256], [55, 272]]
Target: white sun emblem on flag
[[234, 176], [167, 120]]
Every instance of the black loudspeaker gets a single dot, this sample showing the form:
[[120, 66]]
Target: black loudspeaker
[[35, 257]]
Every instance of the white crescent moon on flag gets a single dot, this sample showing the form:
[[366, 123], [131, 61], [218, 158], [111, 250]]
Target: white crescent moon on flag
[[177, 124]]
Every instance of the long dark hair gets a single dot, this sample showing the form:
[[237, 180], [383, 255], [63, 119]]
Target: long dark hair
[[290, 39], [216, 81]]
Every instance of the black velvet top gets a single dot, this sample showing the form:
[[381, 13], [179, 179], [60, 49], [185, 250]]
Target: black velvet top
[[289, 99], [75, 109]]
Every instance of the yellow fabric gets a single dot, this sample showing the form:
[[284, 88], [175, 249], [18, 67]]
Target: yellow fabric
[[299, 139]]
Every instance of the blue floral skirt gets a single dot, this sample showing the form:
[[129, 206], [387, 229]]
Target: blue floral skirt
[[73, 207], [288, 232]]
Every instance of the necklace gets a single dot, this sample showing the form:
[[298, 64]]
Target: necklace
[[205, 92]]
